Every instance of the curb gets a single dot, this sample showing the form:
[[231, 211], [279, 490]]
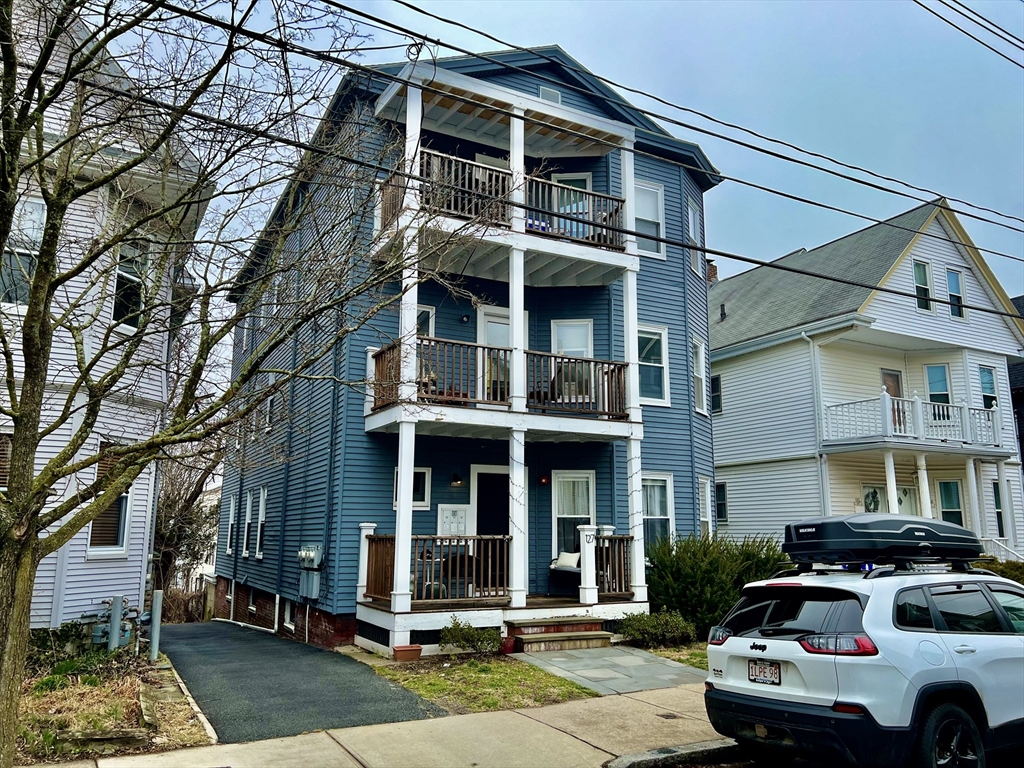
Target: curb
[[207, 726], [687, 754]]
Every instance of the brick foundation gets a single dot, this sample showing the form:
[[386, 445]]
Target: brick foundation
[[325, 629]]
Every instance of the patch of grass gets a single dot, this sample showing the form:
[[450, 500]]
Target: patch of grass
[[179, 726], [694, 655], [462, 686]]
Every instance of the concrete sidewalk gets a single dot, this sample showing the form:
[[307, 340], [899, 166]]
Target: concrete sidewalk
[[577, 734]]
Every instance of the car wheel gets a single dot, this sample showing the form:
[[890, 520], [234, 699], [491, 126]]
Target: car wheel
[[950, 739]]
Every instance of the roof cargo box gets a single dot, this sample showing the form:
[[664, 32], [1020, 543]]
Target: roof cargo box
[[878, 539]]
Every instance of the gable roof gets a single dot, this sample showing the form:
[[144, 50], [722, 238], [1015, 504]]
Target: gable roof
[[763, 300], [1017, 369]]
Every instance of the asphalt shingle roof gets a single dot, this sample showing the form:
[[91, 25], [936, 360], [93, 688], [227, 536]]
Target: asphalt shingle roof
[[763, 300], [1017, 369]]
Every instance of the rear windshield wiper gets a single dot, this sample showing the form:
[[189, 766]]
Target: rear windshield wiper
[[772, 631]]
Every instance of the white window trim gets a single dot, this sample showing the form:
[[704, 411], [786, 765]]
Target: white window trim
[[714, 501], [252, 600], [540, 94], [963, 296], [561, 178], [931, 285], [232, 505], [124, 328], [965, 511], [995, 384], [691, 205], [261, 522], [660, 189], [705, 503], [378, 205], [270, 405], [289, 608], [721, 395], [117, 552], [670, 502], [703, 376], [949, 382], [415, 504], [247, 530], [568, 321], [661, 330], [570, 474], [430, 323]]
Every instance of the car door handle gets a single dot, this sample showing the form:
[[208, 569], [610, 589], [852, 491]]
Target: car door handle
[[965, 649]]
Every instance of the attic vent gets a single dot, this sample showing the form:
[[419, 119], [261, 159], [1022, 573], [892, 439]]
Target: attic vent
[[721, 311], [550, 94]]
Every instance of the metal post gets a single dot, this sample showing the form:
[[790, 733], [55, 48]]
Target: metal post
[[154, 624], [114, 631]]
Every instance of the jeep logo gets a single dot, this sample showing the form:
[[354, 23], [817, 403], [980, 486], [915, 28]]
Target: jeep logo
[[758, 647]]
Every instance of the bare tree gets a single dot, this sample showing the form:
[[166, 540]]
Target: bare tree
[[141, 150]]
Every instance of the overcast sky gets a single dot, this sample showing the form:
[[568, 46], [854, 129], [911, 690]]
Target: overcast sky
[[884, 85]]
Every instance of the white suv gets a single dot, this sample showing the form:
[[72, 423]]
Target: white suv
[[884, 668]]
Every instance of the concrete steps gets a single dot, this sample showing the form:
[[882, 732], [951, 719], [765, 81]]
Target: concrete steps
[[566, 633]]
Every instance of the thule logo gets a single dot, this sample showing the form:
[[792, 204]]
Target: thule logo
[[806, 530], [758, 647]]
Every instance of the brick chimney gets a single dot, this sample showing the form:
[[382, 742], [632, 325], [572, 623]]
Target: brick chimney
[[712, 273]]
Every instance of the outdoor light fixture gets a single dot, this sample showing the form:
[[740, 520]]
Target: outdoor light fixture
[[543, 479], [465, 318], [456, 481]]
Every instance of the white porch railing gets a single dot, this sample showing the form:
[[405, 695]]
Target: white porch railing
[[997, 548], [886, 417]]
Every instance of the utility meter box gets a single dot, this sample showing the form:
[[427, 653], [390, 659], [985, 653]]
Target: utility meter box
[[310, 559]]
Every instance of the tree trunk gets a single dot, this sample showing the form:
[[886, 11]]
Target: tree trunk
[[17, 580]]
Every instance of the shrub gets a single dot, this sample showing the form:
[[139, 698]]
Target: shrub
[[476, 639], [657, 630], [701, 577], [1008, 569]]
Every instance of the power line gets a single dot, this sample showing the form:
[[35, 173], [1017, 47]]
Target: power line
[[673, 105], [305, 146], [976, 39], [1008, 36]]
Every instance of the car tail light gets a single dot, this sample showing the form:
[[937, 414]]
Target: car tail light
[[718, 635], [848, 709], [840, 645], [708, 686]]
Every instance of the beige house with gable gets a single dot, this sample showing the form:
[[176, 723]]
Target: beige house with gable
[[829, 399]]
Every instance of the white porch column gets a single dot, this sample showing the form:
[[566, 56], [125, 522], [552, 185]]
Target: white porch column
[[973, 497], [517, 164], [627, 180], [413, 120], [631, 346], [891, 493], [588, 564], [918, 412], [365, 529], [517, 327], [401, 595], [634, 490], [966, 428], [924, 489], [1006, 502], [410, 272], [518, 557]]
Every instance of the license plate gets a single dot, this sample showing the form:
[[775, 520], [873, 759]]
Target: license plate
[[764, 672]]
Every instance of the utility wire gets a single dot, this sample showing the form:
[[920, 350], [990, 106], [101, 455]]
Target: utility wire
[[1008, 36], [306, 146], [976, 39], [622, 102]]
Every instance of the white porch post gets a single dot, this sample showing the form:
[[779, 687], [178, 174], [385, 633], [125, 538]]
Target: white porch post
[[1006, 502], [891, 493], [924, 490], [634, 489], [631, 346], [966, 428], [973, 497], [885, 401], [627, 180], [518, 558], [517, 164], [401, 595], [365, 529], [410, 271], [413, 120], [588, 564], [918, 411], [517, 327]]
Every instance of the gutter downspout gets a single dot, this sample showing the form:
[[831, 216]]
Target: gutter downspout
[[277, 611], [823, 496]]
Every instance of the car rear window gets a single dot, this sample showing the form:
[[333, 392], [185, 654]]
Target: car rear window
[[965, 609], [794, 612]]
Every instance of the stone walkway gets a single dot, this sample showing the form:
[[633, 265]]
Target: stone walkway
[[618, 669]]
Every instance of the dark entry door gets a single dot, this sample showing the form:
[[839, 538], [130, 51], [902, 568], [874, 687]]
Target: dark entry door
[[492, 504]]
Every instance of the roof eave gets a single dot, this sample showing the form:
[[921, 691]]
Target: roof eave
[[756, 344]]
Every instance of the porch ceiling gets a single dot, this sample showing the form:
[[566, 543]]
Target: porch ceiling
[[450, 113], [947, 453], [450, 428]]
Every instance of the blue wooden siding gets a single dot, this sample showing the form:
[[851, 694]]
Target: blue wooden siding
[[524, 83]]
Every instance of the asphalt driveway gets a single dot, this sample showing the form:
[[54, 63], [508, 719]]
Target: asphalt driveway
[[253, 685]]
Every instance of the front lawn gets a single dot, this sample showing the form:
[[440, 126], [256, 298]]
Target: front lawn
[[694, 655], [463, 685]]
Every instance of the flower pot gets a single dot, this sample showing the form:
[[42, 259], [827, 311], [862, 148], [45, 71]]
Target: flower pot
[[508, 644], [407, 652]]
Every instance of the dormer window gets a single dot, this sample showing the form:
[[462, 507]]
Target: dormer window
[[551, 94]]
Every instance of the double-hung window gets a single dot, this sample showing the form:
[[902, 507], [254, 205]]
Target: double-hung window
[[573, 338], [261, 525], [997, 502], [424, 320], [704, 505], [938, 384], [721, 504], [950, 505], [987, 376], [653, 365], [247, 531], [700, 397], [232, 504], [650, 218], [129, 289], [923, 285], [572, 502], [693, 232], [420, 488], [19, 257], [108, 531], [716, 394], [657, 507], [955, 288]]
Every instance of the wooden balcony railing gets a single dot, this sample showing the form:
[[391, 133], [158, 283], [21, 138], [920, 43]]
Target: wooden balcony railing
[[576, 385], [465, 189], [460, 373], [387, 374], [613, 565], [392, 193], [575, 214], [380, 567], [460, 568]]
